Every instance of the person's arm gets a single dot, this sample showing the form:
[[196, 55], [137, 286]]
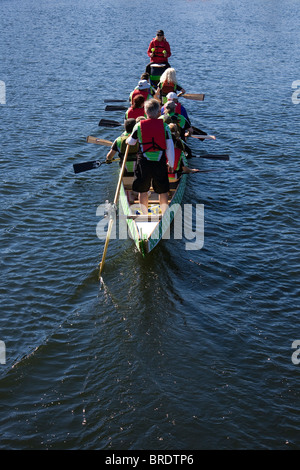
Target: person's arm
[[186, 169], [181, 90], [149, 52], [170, 151], [110, 155], [167, 49], [188, 130], [112, 152], [132, 139]]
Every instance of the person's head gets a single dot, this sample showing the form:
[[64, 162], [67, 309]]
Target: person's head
[[166, 118], [145, 76], [174, 130], [175, 133], [172, 97], [129, 125], [160, 35], [152, 109], [138, 101], [140, 118], [169, 75], [143, 85], [169, 107]]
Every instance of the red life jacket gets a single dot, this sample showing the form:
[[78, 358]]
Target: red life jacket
[[178, 108], [177, 158], [177, 162], [134, 113], [153, 135], [136, 92], [159, 46]]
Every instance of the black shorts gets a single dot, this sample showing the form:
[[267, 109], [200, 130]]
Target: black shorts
[[148, 172]]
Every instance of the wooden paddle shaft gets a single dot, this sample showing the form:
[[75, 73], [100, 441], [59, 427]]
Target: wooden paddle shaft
[[209, 137], [115, 203]]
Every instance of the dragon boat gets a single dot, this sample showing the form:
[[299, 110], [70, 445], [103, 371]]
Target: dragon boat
[[147, 230]]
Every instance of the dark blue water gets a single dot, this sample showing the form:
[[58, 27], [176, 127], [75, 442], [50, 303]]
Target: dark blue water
[[183, 349]]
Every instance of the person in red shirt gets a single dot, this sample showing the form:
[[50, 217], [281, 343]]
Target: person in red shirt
[[137, 108], [159, 51]]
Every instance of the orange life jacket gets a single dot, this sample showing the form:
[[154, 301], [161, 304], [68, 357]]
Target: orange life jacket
[[167, 87]]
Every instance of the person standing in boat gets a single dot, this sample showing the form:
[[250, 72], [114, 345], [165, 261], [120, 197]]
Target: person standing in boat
[[167, 84], [137, 108], [159, 51], [156, 146]]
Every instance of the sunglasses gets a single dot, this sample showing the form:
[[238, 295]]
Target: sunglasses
[[159, 35]]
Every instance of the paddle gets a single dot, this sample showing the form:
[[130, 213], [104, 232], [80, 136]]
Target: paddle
[[114, 101], [95, 140], [109, 123], [203, 136], [187, 96], [85, 166], [193, 96], [111, 221], [116, 108], [212, 156], [197, 131], [206, 171]]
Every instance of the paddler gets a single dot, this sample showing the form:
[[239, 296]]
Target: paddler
[[156, 146], [180, 149], [159, 51], [119, 146], [184, 125], [167, 84], [179, 109], [137, 108], [143, 88]]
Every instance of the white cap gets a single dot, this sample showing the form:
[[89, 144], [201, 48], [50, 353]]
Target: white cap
[[172, 96], [143, 85]]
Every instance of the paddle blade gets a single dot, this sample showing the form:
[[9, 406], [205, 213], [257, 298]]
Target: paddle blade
[[194, 96], [212, 156], [85, 166], [197, 131], [109, 123], [116, 108]]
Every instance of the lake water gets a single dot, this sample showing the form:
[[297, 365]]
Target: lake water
[[185, 349]]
